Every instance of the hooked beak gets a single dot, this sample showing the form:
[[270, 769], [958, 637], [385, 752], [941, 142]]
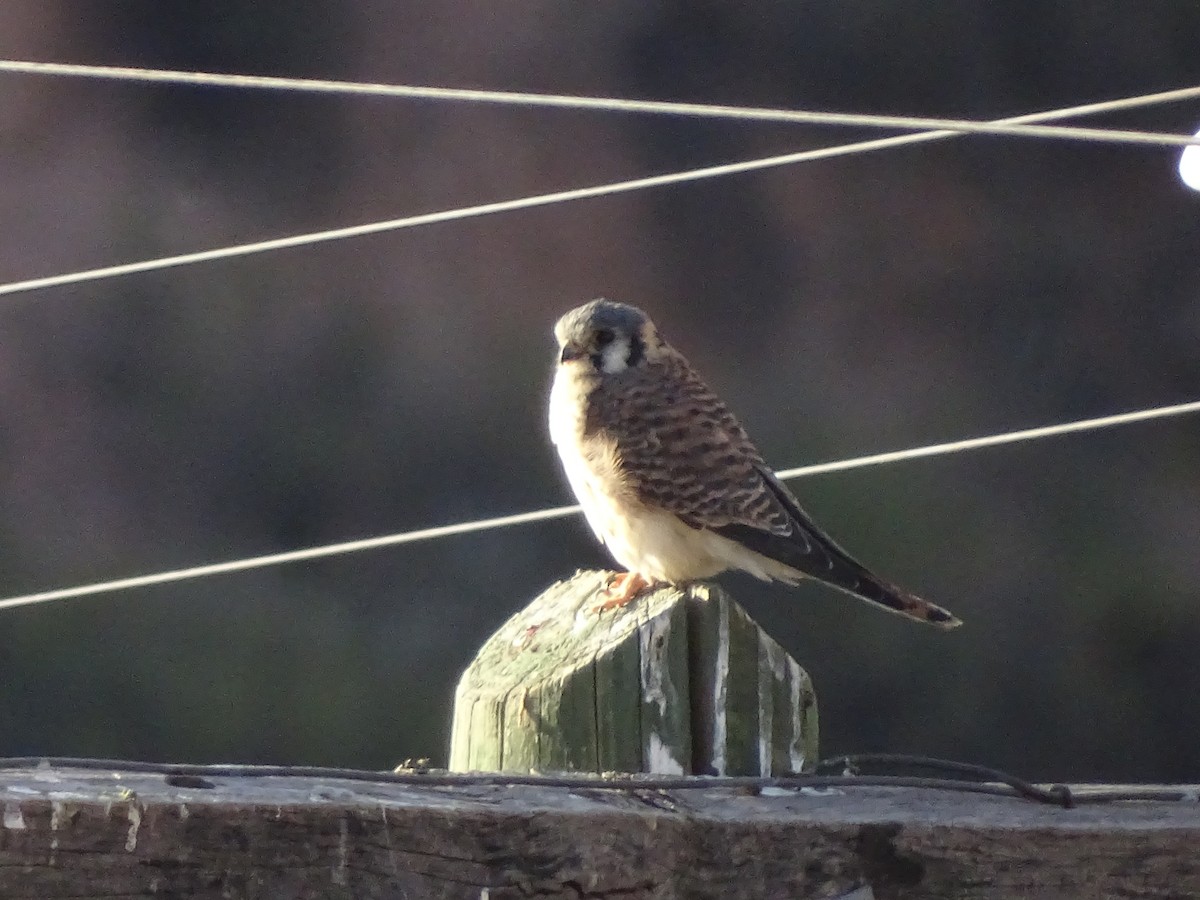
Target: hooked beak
[[570, 352]]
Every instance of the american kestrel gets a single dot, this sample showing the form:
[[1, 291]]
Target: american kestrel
[[668, 479]]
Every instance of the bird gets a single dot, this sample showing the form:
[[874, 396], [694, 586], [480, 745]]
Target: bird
[[669, 480]]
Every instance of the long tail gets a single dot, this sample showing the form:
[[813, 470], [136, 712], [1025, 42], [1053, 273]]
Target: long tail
[[810, 552], [894, 599]]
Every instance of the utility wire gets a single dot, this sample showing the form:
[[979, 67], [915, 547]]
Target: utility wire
[[557, 512], [995, 440], [529, 202], [609, 104]]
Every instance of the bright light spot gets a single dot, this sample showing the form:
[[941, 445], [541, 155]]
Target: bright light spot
[[1189, 166]]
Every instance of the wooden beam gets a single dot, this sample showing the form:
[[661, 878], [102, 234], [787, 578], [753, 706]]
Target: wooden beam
[[78, 833], [680, 680]]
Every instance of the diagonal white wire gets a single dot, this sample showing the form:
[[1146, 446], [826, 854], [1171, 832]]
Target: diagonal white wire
[[943, 128], [558, 512], [601, 190], [609, 104]]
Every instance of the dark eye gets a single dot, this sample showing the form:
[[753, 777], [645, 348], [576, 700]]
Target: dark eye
[[604, 337]]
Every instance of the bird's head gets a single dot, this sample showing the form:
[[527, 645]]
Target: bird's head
[[606, 337]]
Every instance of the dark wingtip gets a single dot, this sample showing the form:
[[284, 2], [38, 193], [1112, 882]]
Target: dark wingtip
[[942, 618], [901, 601], [920, 609]]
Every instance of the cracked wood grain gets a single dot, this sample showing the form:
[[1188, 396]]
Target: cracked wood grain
[[680, 680], [84, 833]]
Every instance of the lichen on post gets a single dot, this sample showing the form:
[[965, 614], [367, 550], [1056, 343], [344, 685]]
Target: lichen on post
[[680, 681]]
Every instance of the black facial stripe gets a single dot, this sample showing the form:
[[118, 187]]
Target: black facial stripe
[[637, 350]]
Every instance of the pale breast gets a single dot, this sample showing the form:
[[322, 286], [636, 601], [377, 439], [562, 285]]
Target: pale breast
[[588, 460], [643, 539]]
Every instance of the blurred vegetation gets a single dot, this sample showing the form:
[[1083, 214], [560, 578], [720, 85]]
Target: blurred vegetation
[[398, 381]]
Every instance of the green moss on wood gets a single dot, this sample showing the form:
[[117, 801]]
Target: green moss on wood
[[678, 681]]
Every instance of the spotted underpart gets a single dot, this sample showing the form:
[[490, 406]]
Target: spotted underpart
[[681, 450]]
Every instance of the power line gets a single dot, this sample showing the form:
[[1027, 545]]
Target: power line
[[558, 512], [944, 129], [536, 200], [609, 104], [995, 440]]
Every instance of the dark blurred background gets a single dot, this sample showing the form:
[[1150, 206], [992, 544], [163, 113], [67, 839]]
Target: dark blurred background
[[398, 381]]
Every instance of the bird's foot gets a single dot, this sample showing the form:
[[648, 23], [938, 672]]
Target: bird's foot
[[622, 587]]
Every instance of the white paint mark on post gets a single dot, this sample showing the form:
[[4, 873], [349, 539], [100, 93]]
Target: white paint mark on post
[[796, 739], [135, 822], [13, 819], [58, 810], [654, 637], [658, 691], [720, 734], [773, 672], [660, 758]]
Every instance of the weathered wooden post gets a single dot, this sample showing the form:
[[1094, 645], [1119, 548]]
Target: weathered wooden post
[[680, 681]]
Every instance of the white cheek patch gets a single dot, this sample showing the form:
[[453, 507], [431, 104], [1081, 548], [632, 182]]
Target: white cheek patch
[[615, 357]]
